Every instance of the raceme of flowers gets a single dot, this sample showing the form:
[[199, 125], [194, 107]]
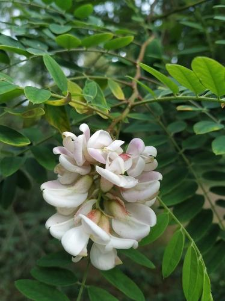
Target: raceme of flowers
[[102, 195]]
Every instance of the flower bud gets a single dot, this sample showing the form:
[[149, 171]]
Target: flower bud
[[94, 215], [104, 223], [117, 209]]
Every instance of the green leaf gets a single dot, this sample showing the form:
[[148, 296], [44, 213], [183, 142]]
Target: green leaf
[[220, 190], [193, 50], [139, 116], [118, 43], [155, 140], [173, 179], [56, 72], [68, 41], [6, 87], [54, 276], [211, 73], [90, 90], [8, 191], [220, 42], [189, 209], [59, 29], [99, 294], [36, 171], [199, 283], [190, 273], [6, 78], [96, 39], [138, 257], [214, 175], [37, 291], [44, 156], [189, 108], [177, 127], [192, 25], [209, 239], [58, 259], [173, 253], [203, 127], [200, 224], [162, 78], [57, 117], [214, 258], [185, 77], [84, 11], [36, 95], [23, 180], [194, 142], [9, 44], [124, 284], [218, 145], [116, 90], [12, 137], [157, 230], [4, 58], [220, 203], [64, 5], [30, 113], [206, 292], [180, 194], [9, 165]]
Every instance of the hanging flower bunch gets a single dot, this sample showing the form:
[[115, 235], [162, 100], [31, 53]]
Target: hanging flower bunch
[[102, 195]]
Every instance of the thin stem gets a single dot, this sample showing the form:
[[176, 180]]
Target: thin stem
[[83, 282], [178, 98], [184, 230], [180, 151]]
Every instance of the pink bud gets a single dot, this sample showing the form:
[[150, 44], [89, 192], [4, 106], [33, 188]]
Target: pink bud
[[94, 215], [104, 223], [117, 209]]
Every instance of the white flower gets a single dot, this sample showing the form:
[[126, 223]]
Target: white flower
[[131, 221], [100, 144], [68, 196], [142, 157], [146, 189], [114, 172]]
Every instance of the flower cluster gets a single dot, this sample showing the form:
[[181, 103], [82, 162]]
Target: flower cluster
[[102, 195]]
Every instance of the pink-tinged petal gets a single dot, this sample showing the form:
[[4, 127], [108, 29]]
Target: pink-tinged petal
[[105, 185], [128, 164], [136, 147], [94, 231], [68, 143], [151, 166], [84, 209], [130, 228], [99, 139], [115, 145], [118, 180], [97, 154], [85, 129], [117, 166], [150, 203], [77, 258], [149, 177], [102, 260], [68, 178], [142, 213], [70, 165], [142, 195], [137, 167], [83, 184], [75, 240], [60, 150], [121, 243], [78, 150], [150, 151]]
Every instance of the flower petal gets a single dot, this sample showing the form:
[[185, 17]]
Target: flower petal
[[136, 147], [58, 224], [70, 165], [151, 166], [150, 151], [99, 139], [97, 154], [142, 213], [130, 228], [84, 209], [115, 145], [141, 193], [78, 150], [94, 231], [121, 243], [75, 240], [137, 167], [102, 260]]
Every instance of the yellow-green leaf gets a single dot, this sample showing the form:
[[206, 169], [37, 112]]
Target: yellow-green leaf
[[12, 137], [116, 89]]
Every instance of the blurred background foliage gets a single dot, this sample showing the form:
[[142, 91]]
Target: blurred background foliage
[[182, 30]]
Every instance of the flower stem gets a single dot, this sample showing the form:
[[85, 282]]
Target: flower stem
[[83, 282]]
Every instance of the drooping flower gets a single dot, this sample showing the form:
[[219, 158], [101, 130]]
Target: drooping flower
[[102, 195]]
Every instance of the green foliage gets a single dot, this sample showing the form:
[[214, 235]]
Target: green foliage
[[104, 74], [124, 284], [37, 291], [173, 253]]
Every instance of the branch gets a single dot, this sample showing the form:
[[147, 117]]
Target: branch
[[178, 98], [177, 10]]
